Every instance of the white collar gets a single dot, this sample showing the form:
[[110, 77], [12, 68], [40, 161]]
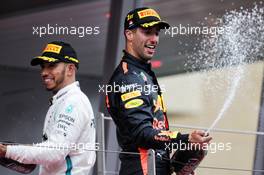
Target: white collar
[[65, 90]]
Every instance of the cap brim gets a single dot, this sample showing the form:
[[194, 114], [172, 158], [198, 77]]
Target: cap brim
[[43, 59], [161, 24]]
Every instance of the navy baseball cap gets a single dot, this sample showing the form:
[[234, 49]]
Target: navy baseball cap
[[57, 51], [144, 17]]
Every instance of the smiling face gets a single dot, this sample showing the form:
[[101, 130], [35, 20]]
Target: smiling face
[[55, 76], [142, 42]]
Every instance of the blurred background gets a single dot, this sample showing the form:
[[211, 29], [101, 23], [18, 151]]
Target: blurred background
[[191, 97]]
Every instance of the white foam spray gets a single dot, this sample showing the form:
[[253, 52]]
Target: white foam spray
[[241, 41]]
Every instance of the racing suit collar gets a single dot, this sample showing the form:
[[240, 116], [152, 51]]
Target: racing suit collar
[[64, 91], [137, 62]]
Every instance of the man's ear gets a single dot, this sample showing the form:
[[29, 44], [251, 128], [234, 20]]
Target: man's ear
[[129, 35], [71, 69]]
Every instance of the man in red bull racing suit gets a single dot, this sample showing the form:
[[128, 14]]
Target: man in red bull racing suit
[[134, 99]]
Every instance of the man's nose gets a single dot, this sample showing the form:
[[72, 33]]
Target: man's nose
[[154, 38], [43, 71]]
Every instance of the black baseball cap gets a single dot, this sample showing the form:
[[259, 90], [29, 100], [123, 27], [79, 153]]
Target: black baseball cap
[[144, 17], [57, 51]]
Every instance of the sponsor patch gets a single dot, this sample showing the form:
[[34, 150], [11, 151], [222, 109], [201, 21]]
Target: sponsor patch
[[134, 103], [171, 134], [158, 124], [69, 109], [61, 127], [159, 105], [161, 138], [129, 87], [147, 12], [130, 95], [53, 48], [67, 118]]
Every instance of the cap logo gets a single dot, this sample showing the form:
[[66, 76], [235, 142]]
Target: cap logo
[[53, 48], [129, 17], [146, 25], [147, 13], [72, 59]]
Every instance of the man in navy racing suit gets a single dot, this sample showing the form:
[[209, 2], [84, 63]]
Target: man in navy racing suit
[[135, 102]]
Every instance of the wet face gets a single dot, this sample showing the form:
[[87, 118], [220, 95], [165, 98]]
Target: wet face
[[144, 42], [54, 76]]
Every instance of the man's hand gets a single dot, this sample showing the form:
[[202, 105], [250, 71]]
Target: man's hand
[[198, 136], [184, 162], [2, 150]]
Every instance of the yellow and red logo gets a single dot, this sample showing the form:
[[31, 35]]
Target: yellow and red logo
[[147, 13], [130, 95], [159, 104], [170, 134], [53, 48]]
